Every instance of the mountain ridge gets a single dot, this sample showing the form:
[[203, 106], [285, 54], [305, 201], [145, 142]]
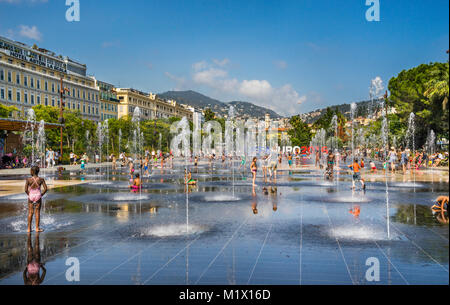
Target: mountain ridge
[[198, 100]]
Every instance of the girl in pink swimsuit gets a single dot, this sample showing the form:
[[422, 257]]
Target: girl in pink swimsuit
[[33, 190]]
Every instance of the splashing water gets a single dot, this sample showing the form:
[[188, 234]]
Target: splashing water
[[173, 230]]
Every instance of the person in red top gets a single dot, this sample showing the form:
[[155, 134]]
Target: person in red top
[[362, 162], [357, 174]]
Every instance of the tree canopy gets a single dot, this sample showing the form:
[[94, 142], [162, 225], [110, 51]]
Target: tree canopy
[[424, 91]]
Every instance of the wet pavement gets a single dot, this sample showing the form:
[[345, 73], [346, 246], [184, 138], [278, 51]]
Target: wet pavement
[[303, 230]]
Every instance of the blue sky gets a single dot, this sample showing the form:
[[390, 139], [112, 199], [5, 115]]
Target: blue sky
[[292, 56]]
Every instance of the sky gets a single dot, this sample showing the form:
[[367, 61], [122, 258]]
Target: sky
[[290, 56]]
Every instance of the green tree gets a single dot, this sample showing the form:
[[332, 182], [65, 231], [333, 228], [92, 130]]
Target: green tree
[[424, 91], [5, 111], [209, 115], [300, 133]]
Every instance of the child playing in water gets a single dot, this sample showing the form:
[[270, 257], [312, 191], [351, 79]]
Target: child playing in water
[[146, 167], [136, 183], [441, 204], [188, 178], [33, 190], [373, 167], [83, 163], [242, 162], [290, 160], [254, 169], [131, 172], [356, 174]]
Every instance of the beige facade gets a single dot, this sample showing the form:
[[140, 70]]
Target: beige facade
[[151, 107], [109, 103], [31, 76]]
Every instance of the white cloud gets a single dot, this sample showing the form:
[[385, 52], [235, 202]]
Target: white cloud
[[258, 89], [30, 32], [284, 100], [209, 77], [200, 65], [221, 63]]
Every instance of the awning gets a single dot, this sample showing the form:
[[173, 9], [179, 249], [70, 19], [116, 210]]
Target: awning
[[20, 125]]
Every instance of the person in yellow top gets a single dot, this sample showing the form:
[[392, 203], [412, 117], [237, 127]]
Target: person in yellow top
[[357, 174]]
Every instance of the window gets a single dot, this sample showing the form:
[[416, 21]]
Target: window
[[53, 102], [46, 86], [53, 87], [25, 81], [89, 96], [73, 92], [32, 99], [18, 78], [9, 76], [46, 100], [38, 99], [84, 108], [9, 94], [78, 93], [78, 106], [89, 109], [25, 97], [18, 96], [38, 84], [31, 82], [2, 93], [2, 74]]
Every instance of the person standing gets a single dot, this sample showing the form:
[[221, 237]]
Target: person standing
[[392, 159], [33, 190], [403, 160], [47, 157], [357, 174], [52, 157], [254, 169]]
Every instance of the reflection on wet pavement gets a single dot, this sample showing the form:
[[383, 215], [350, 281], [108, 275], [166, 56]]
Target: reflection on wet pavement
[[301, 230]]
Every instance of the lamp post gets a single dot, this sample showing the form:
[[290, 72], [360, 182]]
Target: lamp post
[[61, 114]]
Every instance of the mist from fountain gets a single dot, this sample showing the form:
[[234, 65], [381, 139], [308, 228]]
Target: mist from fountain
[[40, 144], [410, 138], [100, 145], [353, 113], [385, 139], [29, 133]]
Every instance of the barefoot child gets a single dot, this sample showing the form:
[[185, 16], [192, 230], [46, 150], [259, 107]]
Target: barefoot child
[[136, 183], [33, 190], [357, 174], [188, 178], [254, 169]]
